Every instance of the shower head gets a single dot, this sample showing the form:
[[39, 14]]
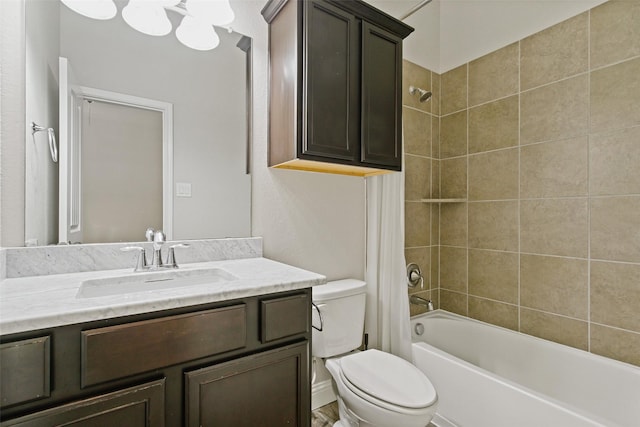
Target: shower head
[[425, 95]]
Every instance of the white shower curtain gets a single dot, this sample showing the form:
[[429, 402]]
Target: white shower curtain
[[386, 266]]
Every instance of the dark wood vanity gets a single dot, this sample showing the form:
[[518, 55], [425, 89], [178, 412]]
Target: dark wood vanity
[[242, 362], [335, 86]]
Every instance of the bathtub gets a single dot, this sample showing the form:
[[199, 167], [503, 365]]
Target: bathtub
[[487, 376]]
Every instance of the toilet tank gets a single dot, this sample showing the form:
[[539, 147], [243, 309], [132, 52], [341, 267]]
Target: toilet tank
[[339, 311]]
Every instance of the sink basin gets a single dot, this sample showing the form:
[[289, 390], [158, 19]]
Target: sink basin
[[152, 281]]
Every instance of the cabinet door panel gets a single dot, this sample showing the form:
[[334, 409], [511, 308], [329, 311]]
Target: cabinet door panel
[[141, 406], [381, 98], [267, 389], [24, 370], [331, 83]]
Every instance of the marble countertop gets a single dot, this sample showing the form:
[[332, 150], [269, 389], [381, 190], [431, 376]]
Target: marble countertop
[[38, 302]]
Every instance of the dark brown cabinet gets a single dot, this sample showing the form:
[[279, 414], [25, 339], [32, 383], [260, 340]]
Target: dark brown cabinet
[[335, 86], [191, 366]]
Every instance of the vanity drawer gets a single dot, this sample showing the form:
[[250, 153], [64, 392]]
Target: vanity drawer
[[119, 351], [24, 370], [283, 317]]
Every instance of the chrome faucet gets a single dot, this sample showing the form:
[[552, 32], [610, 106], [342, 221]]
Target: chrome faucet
[[158, 238], [415, 299]]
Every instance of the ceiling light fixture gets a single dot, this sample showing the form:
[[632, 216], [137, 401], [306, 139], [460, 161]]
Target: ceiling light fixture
[[195, 31]]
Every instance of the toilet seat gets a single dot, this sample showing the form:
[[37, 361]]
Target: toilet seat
[[387, 381]]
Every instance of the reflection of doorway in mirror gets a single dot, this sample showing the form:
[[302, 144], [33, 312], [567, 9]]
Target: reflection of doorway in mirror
[[121, 171]]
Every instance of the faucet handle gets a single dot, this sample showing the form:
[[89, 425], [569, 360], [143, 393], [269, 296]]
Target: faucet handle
[[171, 256], [141, 263], [149, 234]]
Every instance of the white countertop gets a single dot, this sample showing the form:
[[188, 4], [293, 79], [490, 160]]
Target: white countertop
[[38, 302]]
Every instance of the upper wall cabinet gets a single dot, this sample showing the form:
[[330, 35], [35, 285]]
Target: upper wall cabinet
[[335, 86]]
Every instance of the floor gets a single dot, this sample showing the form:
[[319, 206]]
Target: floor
[[326, 415]]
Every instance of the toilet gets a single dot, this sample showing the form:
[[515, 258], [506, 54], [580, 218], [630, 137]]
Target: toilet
[[374, 388]]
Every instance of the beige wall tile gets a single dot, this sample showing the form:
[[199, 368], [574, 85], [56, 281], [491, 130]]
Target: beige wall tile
[[494, 75], [496, 313], [614, 163], [616, 344], [494, 125], [615, 32], [559, 329], [453, 224], [454, 302], [554, 169], [555, 53], [615, 228], [553, 284], [417, 182], [453, 135], [435, 178], [417, 132], [417, 220], [493, 225], [494, 175], [435, 225], [554, 227], [615, 91], [615, 294], [435, 267], [453, 90], [422, 257], [493, 275], [415, 75], [557, 111], [453, 268], [453, 178], [435, 97], [435, 137]]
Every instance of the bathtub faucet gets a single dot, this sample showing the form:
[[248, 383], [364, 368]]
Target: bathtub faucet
[[415, 299]]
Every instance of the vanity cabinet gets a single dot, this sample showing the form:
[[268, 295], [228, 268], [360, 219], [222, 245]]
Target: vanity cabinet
[[193, 366], [335, 86]]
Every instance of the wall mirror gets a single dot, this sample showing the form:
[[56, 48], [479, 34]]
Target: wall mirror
[[158, 134]]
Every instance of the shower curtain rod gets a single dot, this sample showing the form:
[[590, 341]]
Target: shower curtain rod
[[414, 9]]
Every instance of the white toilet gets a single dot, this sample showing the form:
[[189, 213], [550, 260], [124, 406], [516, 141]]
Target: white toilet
[[374, 388]]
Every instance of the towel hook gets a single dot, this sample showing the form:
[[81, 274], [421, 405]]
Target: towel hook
[[53, 148]]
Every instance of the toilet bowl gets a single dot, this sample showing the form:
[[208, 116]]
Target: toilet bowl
[[374, 388]]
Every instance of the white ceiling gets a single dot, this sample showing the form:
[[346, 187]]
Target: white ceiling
[[449, 33]]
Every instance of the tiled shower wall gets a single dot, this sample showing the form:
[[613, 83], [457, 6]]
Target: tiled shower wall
[[421, 121], [542, 137]]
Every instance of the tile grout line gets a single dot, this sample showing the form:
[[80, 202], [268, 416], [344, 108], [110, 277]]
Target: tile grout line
[[589, 183], [467, 195], [519, 189]]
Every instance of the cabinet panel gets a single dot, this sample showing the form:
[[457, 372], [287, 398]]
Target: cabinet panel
[[267, 389], [123, 350], [24, 370], [283, 317], [141, 406], [381, 97], [331, 76]]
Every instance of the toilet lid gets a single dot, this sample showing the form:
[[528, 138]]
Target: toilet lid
[[388, 378]]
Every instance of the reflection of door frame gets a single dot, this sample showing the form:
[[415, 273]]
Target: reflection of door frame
[[166, 109]]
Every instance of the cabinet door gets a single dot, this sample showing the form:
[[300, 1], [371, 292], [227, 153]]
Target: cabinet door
[[381, 98], [331, 84], [268, 389], [141, 406]]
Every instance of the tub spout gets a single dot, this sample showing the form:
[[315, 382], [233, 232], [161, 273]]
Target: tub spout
[[415, 299]]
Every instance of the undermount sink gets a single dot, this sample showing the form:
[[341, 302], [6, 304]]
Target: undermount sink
[[152, 281]]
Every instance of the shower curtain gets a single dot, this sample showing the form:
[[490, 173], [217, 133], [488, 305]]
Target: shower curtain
[[386, 266]]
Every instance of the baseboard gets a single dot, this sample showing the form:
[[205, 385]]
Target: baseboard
[[322, 394]]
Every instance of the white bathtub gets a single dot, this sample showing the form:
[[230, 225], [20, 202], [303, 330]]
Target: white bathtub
[[487, 376]]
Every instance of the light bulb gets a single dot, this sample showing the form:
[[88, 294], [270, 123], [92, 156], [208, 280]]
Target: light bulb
[[96, 9], [147, 16], [197, 34], [215, 12]]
